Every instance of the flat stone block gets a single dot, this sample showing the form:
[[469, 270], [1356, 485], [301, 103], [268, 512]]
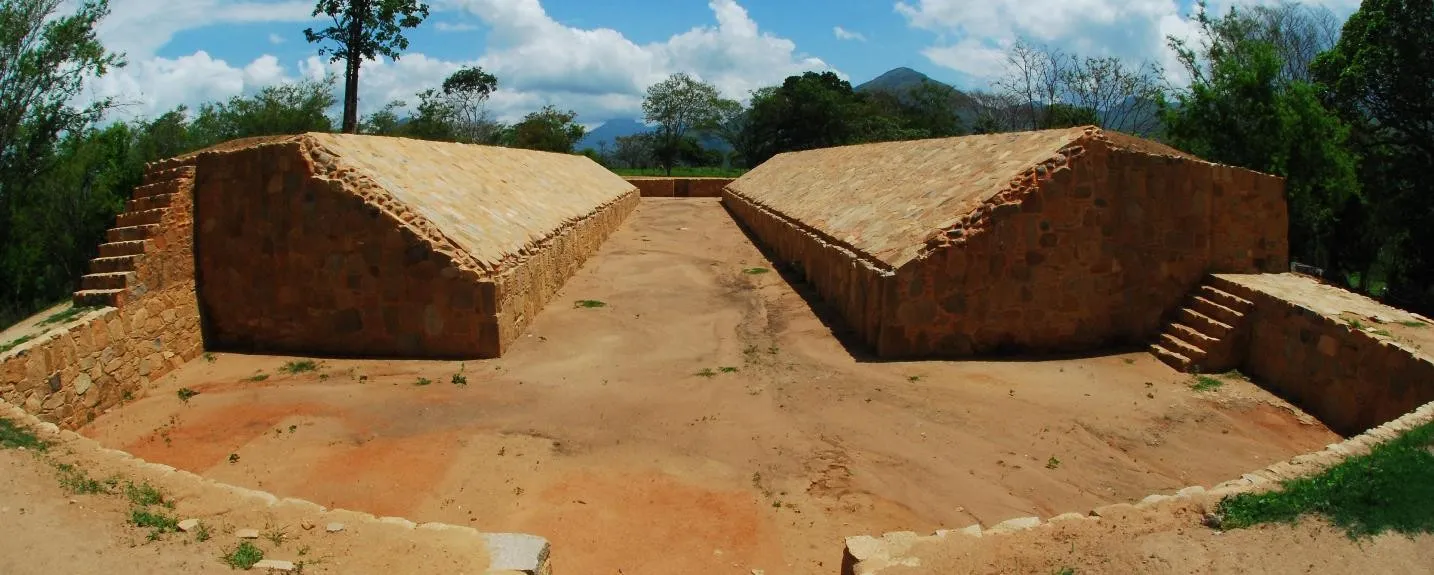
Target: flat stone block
[[517, 552], [1016, 524]]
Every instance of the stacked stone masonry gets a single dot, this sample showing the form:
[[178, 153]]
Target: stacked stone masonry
[[1049, 241], [375, 247], [680, 187]]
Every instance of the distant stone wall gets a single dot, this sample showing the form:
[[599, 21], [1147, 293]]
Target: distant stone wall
[[295, 260], [680, 187], [1348, 378], [855, 286], [522, 291], [72, 373], [1088, 249]]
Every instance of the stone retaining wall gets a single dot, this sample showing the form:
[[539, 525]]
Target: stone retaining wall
[[522, 291], [73, 372], [854, 285], [651, 187]]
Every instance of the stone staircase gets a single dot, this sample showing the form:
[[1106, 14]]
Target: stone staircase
[[114, 272], [1206, 333]]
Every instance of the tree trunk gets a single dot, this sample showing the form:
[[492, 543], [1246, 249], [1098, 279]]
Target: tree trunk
[[357, 16]]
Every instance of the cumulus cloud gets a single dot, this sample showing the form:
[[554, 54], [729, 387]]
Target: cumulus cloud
[[598, 72], [972, 37], [139, 28], [844, 34], [275, 39], [454, 27]]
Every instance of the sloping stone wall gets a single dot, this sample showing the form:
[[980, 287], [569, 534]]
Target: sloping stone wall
[[1088, 249], [680, 187], [74, 372]]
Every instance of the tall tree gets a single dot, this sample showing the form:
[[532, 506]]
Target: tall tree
[[679, 105], [363, 30], [1379, 77], [467, 90]]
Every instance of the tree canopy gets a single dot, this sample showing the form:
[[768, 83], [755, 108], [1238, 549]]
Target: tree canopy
[[363, 30]]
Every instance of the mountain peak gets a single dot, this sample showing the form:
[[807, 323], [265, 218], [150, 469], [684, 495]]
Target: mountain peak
[[895, 80]]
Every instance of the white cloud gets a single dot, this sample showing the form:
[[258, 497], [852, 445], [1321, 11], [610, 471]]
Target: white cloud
[[454, 27], [139, 28], [972, 36], [598, 72], [275, 39], [844, 34]]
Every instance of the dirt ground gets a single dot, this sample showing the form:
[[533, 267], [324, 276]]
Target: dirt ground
[[1175, 543], [704, 420]]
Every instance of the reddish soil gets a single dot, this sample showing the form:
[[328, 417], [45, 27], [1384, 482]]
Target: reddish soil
[[598, 432]]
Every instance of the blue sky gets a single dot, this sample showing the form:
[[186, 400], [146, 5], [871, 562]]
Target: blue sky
[[597, 56]]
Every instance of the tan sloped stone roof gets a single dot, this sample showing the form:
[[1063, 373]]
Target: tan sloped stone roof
[[885, 199], [491, 202]]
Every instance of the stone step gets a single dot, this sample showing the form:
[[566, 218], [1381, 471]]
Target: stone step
[[166, 173], [1204, 323], [153, 202], [132, 233], [1192, 336], [1216, 311], [116, 249], [100, 298], [1226, 299], [105, 281], [156, 189], [1231, 287], [1181, 347], [113, 264], [128, 219], [1175, 360]]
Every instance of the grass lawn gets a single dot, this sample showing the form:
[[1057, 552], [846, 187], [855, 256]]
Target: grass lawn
[[1391, 488]]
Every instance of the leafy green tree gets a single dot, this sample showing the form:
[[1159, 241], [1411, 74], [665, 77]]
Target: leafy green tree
[[1240, 110], [1061, 115], [384, 122], [363, 30], [45, 57], [679, 105], [467, 90], [292, 108], [1379, 77], [549, 130]]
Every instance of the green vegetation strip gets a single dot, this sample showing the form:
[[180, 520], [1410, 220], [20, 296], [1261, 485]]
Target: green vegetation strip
[[13, 436], [1389, 489]]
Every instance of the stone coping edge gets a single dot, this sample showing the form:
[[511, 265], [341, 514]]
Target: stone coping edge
[[509, 553], [868, 555]]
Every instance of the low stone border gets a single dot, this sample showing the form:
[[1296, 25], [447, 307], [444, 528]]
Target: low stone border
[[869, 555], [508, 553]]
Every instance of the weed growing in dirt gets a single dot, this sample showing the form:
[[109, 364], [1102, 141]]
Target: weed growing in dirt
[[423, 381], [145, 495], [706, 372], [727, 369], [1053, 463], [276, 535], [244, 556], [913, 378], [298, 367], [460, 379], [4, 347], [127, 396], [201, 533], [755, 271], [589, 303], [1129, 361], [1206, 383], [233, 458], [1381, 332], [1387, 489], [76, 481], [1414, 324], [65, 316], [157, 522], [13, 436], [1354, 323], [1066, 571], [257, 377], [185, 393], [208, 357]]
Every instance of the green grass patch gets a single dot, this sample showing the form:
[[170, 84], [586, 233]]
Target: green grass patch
[[208, 357], [298, 367], [13, 436], [157, 522], [423, 381], [76, 481], [201, 533], [4, 347], [589, 303], [683, 172], [460, 379], [1354, 323], [1382, 333], [185, 394], [1053, 463], [257, 377], [755, 271], [1206, 383], [1413, 324], [1389, 489], [706, 372], [64, 316], [145, 495], [245, 556], [727, 369]]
